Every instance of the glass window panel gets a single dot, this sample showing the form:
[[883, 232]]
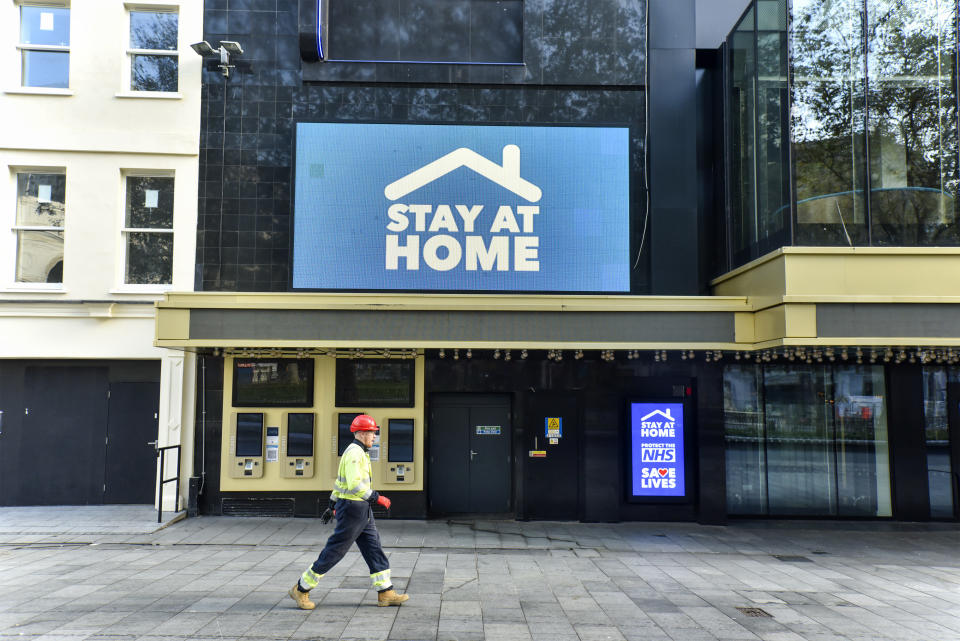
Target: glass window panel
[[913, 123], [46, 69], [40, 200], [426, 30], [743, 75], [153, 30], [863, 455], [39, 256], [800, 447], [937, 439], [827, 122], [153, 73], [745, 454], [149, 202], [496, 31], [149, 258], [44, 25], [773, 166]]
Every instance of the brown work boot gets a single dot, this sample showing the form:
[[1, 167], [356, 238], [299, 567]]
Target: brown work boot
[[389, 597], [302, 598]]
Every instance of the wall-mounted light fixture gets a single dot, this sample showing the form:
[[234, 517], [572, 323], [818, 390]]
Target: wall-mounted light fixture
[[227, 49]]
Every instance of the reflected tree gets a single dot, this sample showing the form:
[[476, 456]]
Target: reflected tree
[[156, 31], [898, 123]]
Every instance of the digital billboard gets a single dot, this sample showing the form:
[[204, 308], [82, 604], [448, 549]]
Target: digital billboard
[[461, 208], [656, 450]]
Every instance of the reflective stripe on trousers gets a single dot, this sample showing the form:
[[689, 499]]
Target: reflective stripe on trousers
[[381, 580]]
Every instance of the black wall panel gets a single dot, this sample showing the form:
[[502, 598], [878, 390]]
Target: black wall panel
[[587, 66], [911, 497]]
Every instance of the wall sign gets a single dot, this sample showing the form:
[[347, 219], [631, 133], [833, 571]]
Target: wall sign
[[656, 437], [456, 207], [488, 430], [553, 427]]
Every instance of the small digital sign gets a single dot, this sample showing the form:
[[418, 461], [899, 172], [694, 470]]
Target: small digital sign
[[656, 450], [461, 208]]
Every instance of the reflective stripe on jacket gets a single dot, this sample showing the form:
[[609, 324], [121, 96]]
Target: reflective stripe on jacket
[[355, 475]]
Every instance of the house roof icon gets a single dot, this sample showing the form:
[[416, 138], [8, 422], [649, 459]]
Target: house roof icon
[[665, 415], [506, 175]]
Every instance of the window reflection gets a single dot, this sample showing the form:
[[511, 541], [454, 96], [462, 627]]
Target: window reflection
[[39, 226], [476, 31], [913, 129], [745, 453], [148, 230], [828, 122], [743, 93], [773, 166], [812, 438], [937, 441], [872, 134]]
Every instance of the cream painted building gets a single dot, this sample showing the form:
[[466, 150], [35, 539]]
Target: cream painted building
[[98, 213]]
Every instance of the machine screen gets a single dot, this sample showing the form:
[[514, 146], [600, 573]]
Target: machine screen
[[400, 446], [300, 434], [344, 435], [250, 434]]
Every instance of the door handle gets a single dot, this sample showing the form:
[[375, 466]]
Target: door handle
[[472, 454], [153, 443]]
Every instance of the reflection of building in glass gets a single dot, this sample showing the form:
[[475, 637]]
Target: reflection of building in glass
[[869, 149]]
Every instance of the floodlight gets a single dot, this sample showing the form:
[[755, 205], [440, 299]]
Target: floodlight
[[203, 48], [233, 47]]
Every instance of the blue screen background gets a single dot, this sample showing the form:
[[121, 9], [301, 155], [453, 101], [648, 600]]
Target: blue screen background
[[341, 211], [638, 440]]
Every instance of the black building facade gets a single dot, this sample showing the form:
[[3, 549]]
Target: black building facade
[[560, 403]]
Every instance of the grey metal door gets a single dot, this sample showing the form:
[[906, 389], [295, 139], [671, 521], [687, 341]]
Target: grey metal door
[[469, 470], [63, 434], [131, 463], [489, 430]]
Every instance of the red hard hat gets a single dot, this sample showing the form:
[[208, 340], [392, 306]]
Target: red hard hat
[[363, 423]]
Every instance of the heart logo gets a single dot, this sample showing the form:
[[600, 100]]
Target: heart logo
[[663, 471]]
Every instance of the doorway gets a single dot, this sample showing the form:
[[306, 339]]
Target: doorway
[[552, 477], [73, 436], [469, 469]]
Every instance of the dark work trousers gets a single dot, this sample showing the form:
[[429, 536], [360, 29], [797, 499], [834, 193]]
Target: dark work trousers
[[354, 523]]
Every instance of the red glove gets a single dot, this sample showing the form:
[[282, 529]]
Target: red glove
[[384, 501]]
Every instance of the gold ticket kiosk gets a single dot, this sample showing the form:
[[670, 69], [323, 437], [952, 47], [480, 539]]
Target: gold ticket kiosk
[[400, 450], [246, 445], [297, 445]]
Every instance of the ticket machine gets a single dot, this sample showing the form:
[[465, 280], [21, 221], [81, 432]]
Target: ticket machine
[[400, 450], [297, 445], [246, 445]]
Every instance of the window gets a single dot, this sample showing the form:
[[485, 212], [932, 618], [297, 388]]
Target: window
[[153, 54], [806, 440], [273, 382], [44, 46], [39, 227], [148, 230], [450, 31], [370, 382]]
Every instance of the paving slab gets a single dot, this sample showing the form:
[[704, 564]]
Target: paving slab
[[112, 572]]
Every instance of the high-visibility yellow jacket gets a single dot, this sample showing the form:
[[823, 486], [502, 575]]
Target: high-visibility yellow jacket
[[355, 475]]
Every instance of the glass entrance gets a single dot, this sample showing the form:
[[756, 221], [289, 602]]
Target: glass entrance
[[941, 395]]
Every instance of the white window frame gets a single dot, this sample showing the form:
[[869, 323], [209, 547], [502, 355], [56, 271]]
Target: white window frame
[[14, 243], [124, 286], [128, 91], [22, 47]]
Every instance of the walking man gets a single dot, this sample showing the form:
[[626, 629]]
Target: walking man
[[351, 503]]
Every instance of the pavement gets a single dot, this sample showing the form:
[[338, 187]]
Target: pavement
[[225, 579]]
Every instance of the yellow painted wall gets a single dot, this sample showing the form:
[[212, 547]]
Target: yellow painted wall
[[325, 438]]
